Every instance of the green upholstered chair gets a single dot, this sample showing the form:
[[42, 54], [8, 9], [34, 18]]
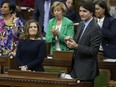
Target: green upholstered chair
[[103, 78]]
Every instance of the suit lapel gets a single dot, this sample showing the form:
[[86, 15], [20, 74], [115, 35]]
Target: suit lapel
[[63, 25], [105, 23], [86, 30], [78, 30]]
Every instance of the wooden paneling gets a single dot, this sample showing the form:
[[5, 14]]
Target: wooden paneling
[[64, 63], [62, 55], [113, 2], [37, 79], [26, 14]]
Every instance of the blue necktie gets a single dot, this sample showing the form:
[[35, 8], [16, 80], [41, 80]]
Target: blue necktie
[[80, 32]]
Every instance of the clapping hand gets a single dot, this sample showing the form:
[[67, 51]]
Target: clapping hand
[[70, 42], [55, 32]]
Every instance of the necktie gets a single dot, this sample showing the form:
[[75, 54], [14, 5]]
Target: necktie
[[80, 33]]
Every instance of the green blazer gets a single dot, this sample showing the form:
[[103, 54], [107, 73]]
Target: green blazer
[[67, 29]]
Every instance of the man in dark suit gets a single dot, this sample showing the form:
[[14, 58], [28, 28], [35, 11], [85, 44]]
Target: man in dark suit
[[86, 45], [39, 11]]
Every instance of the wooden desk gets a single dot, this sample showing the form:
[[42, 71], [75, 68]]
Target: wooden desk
[[38, 79], [1, 67], [66, 63], [2, 63], [62, 55]]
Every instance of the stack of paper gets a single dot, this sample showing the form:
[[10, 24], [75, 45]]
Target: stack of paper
[[109, 60]]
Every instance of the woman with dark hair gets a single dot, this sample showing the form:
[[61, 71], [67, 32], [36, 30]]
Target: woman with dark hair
[[17, 15], [14, 1], [9, 29], [71, 13], [31, 49], [108, 27]]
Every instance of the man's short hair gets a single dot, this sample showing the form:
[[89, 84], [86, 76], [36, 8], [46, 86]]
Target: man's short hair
[[88, 4]]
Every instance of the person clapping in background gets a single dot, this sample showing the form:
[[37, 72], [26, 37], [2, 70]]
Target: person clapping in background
[[58, 28]]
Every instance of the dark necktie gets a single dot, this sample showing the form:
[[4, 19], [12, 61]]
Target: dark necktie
[[81, 30]]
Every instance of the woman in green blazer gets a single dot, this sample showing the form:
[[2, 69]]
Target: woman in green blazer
[[58, 28]]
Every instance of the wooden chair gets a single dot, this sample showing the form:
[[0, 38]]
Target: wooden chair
[[62, 55], [5, 66], [59, 55]]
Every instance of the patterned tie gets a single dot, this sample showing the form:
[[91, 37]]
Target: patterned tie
[[80, 32]]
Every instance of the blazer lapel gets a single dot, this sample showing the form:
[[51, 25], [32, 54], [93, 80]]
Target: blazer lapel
[[78, 30], [63, 26], [105, 23], [87, 30]]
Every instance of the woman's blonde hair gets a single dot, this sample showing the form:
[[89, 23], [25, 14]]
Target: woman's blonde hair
[[61, 5]]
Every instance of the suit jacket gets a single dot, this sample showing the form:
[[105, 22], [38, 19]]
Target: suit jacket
[[84, 60], [109, 37], [39, 11], [67, 29]]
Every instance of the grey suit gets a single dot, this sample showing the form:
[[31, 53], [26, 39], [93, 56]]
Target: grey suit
[[84, 64]]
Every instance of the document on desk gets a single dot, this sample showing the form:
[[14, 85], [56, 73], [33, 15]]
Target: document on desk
[[109, 60], [49, 57]]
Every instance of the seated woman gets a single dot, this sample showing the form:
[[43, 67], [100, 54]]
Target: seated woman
[[31, 49], [58, 28], [9, 29]]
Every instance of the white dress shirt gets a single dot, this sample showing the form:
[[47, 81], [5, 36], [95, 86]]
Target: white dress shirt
[[100, 23], [57, 41]]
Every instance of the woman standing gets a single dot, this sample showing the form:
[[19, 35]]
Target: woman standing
[[9, 29], [58, 28], [31, 49], [108, 27]]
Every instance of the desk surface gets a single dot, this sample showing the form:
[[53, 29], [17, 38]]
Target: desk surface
[[43, 81], [66, 63]]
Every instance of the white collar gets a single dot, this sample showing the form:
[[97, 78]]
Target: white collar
[[101, 19]]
